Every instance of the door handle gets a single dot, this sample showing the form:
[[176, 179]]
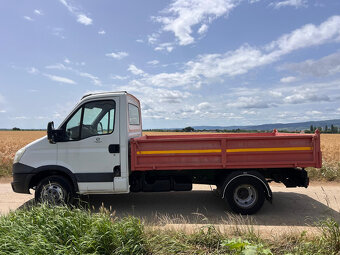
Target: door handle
[[114, 148]]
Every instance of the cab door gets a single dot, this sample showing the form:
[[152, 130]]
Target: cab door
[[91, 148]]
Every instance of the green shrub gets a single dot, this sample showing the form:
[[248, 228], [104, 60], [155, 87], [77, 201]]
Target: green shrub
[[5, 167], [328, 172], [60, 230], [239, 246]]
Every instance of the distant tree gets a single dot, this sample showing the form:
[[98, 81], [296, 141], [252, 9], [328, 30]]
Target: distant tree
[[326, 129], [188, 129], [333, 129], [16, 129], [311, 128]]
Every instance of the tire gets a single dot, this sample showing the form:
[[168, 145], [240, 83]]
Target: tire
[[245, 195], [54, 190]]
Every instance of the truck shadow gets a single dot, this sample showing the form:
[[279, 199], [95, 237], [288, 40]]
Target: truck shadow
[[204, 207]]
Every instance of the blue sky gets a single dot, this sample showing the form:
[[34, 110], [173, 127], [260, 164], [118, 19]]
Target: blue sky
[[216, 62]]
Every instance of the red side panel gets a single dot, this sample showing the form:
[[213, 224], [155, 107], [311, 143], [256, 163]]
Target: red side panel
[[223, 151]]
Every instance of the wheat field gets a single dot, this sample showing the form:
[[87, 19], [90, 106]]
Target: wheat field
[[11, 141]]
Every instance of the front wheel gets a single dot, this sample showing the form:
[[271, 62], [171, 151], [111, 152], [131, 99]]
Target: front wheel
[[55, 190], [245, 195]]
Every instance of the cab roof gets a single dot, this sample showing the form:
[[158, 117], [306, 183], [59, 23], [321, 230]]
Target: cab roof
[[108, 93]]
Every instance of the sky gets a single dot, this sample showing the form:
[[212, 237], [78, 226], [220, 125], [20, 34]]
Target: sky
[[190, 62]]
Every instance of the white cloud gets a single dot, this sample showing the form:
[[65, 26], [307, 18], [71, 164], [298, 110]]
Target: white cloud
[[140, 41], [305, 96], [153, 38], [306, 36], [28, 18], [58, 31], [203, 29], [246, 58], [2, 111], [38, 12], [293, 3], [83, 19], [60, 79], [313, 112], [136, 71], [117, 55], [275, 93], [119, 77], [57, 66], [325, 66], [173, 79], [21, 118], [95, 80], [33, 70], [182, 15], [153, 62], [288, 79], [164, 46], [250, 102], [101, 32], [249, 112], [204, 105]]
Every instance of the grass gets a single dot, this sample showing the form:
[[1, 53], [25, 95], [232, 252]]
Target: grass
[[5, 167], [61, 230], [330, 171]]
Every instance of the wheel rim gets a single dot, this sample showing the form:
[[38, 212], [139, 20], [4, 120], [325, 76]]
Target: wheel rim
[[53, 193], [245, 196]]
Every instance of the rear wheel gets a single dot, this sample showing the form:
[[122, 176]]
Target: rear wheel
[[55, 190], [245, 195]]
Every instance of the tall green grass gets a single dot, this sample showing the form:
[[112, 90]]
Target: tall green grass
[[59, 230]]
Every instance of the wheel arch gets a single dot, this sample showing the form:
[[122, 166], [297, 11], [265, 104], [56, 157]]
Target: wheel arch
[[253, 174], [49, 170]]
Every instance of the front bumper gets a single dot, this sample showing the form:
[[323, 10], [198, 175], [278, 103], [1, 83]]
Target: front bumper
[[22, 175]]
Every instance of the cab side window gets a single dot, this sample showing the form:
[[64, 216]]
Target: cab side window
[[133, 115], [92, 119], [106, 123]]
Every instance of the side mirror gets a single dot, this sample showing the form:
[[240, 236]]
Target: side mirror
[[55, 135], [50, 133]]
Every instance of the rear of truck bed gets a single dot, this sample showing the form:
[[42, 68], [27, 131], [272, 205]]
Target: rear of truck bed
[[225, 151]]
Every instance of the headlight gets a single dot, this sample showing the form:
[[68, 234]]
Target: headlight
[[18, 155]]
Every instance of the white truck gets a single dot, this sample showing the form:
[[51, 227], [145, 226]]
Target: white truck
[[99, 149]]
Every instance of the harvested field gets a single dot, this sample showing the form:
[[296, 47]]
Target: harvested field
[[11, 141]]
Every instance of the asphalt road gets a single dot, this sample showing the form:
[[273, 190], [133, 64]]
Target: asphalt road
[[296, 207]]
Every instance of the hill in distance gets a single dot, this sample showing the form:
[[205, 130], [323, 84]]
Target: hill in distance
[[279, 126]]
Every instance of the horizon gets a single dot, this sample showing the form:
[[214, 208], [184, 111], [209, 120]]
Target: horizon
[[178, 128], [190, 62]]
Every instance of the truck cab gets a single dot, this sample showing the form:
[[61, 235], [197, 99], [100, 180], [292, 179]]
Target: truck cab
[[87, 154]]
